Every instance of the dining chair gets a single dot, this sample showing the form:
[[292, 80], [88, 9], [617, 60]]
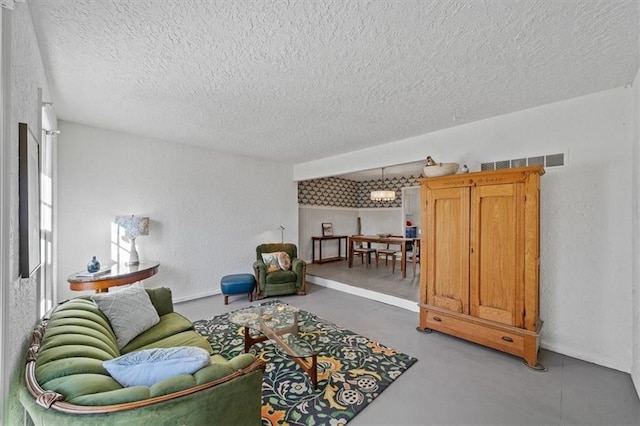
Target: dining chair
[[365, 254], [390, 252], [414, 254]]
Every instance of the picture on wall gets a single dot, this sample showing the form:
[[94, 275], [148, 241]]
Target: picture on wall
[[327, 229], [29, 205]]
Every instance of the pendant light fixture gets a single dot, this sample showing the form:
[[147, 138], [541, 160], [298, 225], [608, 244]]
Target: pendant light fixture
[[383, 194]]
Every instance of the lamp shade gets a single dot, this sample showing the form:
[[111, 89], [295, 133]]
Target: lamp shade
[[383, 195], [134, 226]]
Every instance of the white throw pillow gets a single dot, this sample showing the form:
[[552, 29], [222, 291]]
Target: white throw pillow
[[149, 366], [276, 261], [129, 311], [284, 260]]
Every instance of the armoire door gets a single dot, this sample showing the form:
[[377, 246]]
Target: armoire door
[[497, 253], [447, 249]]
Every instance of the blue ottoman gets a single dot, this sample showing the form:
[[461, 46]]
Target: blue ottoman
[[237, 284]]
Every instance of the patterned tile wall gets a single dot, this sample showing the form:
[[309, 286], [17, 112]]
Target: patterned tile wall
[[394, 184], [333, 192], [337, 192]]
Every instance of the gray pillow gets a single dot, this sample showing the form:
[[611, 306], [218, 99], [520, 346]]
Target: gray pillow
[[129, 311]]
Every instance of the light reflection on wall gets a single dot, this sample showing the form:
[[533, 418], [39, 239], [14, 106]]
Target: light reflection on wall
[[120, 244]]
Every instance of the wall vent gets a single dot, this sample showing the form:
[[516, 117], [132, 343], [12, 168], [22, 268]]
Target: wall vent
[[519, 162], [535, 161], [554, 160], [504, 164], [487, 166], [547, 161]]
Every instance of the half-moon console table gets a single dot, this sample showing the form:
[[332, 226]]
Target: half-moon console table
[[119, 274]]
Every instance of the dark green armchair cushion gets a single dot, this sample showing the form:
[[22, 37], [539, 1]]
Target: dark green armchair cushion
[[280, 277]]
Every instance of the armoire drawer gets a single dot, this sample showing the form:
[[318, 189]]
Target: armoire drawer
[[478, 331]]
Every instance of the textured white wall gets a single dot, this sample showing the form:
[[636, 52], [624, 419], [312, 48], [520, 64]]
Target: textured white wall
[[381, 221], [345, 222], [26, 75], [635, 370], [586, 210], [208, 210], [343, 219]]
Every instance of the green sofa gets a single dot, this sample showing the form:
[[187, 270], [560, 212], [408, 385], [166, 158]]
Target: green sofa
[[65, 383]]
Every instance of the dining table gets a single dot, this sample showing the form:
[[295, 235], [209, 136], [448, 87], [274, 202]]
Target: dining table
[[368, 239]]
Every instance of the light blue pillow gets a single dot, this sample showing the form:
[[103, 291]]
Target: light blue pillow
[[149, 366]]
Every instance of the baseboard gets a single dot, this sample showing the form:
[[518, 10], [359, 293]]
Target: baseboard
[[568, 351], [335, 285], [184, 299], [357, 291]]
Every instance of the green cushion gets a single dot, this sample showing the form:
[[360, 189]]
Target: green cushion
[[81, 384], [86, 319], [185, 338], [84, 304], [67, 366], [212, 372], [169, 325], [70, 351], [280, 289], [218, 358], [62, 329], [61, 340], [280, 277], [161, 299], [220, 367], [241, 361], [172, 384]]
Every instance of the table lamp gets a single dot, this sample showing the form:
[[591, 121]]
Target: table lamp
[[134, 226]]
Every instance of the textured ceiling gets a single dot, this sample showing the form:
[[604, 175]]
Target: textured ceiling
[[302, 80]]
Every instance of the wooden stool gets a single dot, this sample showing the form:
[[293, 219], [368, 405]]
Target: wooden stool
[[237, 284]]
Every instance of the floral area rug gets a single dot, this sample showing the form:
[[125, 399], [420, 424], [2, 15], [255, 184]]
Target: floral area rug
[[352, 371]]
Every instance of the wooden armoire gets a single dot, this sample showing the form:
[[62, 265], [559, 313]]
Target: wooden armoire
[[480, 258]]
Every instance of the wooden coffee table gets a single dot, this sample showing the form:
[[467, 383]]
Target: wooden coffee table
[[279, 324]]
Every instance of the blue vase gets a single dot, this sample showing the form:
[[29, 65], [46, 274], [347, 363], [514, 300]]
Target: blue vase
[[93, 265]]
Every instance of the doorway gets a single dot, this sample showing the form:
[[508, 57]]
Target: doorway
[[411, 212]]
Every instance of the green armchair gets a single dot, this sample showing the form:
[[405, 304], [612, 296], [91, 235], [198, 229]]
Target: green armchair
[[282, 281]]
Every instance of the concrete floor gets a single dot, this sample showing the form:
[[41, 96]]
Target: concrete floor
[[380, 279], [456, 382]]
